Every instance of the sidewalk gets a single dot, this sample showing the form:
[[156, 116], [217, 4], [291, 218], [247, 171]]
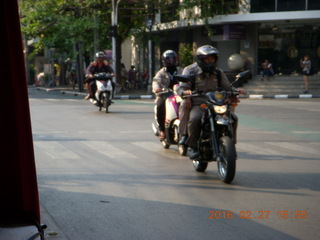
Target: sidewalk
[[142, 94], [134, 94]]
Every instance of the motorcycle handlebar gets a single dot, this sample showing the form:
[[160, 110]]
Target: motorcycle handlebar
[[102, 76]]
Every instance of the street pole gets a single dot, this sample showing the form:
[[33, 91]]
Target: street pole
[[96, 33], [114, 22], [150, 56]]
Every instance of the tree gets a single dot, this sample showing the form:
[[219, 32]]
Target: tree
[[64, 24]]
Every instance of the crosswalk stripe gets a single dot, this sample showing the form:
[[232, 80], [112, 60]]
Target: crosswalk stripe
[[259, 150], [55, 149], [157, 148], [108, 149], [296, 147]]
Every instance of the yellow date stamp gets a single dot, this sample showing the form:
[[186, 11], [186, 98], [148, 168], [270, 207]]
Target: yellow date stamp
[[261, 214]]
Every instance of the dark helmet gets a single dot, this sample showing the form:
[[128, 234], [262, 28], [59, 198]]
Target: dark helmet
[[203, 52], [100, 55], [169, 58]]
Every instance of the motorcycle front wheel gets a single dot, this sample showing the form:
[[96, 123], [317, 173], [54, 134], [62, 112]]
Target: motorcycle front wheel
[[106, 101], [227, 163]]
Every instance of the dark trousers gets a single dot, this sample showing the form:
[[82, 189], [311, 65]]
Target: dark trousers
[[161, 112]]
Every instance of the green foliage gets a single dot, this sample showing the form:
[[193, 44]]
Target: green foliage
[[60, 24], [185, 54]]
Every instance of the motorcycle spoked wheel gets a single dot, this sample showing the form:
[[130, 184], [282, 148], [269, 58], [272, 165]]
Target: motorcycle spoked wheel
[[227, 165]]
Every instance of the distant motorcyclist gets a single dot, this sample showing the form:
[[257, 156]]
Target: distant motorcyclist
[[164, 79], [207, 78], [98, 66]]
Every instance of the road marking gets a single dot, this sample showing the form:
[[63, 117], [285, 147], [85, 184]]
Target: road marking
[[157, 148], [253, 148], [296, 147], [304, 132], [55, 149], [108, 149]]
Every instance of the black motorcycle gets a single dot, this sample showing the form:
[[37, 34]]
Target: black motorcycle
[[218, 128]]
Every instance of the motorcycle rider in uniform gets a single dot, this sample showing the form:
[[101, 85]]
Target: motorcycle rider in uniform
[[164, 79], [207, 78], [98, 66]]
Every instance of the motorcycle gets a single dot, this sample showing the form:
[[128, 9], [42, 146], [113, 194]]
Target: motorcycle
[[218, 125], [172, 121], [103, 94]]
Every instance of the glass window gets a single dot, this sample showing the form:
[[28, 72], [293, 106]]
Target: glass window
[[262, 6], [285, 44], [291, 5], [313, 5]]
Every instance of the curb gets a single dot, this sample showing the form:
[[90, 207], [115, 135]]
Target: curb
[[279, 96], [151, 96]]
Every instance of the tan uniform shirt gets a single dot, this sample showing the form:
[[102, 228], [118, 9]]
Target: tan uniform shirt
[[204, 82], [162, 79]]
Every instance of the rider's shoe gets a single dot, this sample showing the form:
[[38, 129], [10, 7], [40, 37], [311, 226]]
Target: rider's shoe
[[194, 153], [183, 139], [87, 97]]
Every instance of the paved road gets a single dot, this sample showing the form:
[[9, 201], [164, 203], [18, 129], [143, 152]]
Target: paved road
[[105, 176]]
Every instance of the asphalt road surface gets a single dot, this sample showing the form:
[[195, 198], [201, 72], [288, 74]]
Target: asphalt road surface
[[106, 176]]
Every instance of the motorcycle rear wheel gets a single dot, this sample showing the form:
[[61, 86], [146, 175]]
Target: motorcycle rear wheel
[[182, 150], [227, 165], [200, 166]]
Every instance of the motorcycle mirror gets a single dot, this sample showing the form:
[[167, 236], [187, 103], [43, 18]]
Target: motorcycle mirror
[[242, 74], [240, 78]]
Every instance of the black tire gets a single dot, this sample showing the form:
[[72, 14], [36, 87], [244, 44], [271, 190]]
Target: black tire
[[165, 144], [107, 101], [200, 166], [227, 165], [183, 149]]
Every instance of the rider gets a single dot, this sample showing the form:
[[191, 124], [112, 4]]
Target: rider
[[98, 66], [207, 78], [164, 79]]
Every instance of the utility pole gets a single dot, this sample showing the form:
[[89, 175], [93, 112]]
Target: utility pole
[[150, 46], [78, 48], [96, 33], [114, 23]]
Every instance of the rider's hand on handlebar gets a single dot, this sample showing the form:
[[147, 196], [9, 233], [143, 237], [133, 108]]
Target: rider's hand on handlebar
[[158, 90], [187, 92], [242, 91]]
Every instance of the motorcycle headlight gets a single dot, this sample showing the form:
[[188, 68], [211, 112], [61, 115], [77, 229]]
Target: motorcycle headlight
[[220, 109]]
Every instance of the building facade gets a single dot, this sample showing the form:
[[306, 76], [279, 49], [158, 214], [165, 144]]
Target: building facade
[[282, 31]]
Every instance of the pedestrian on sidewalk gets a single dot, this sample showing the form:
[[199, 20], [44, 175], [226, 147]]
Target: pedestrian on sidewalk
[[124, 77], [132, 77], [306, 70], [266, 70]]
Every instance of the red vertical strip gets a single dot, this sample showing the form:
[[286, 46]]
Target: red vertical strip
[[18, 181]]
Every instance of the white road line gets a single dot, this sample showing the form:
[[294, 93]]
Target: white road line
[[108, 149], [55, 149], [157, 148], [259, 150], [296, 147]]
